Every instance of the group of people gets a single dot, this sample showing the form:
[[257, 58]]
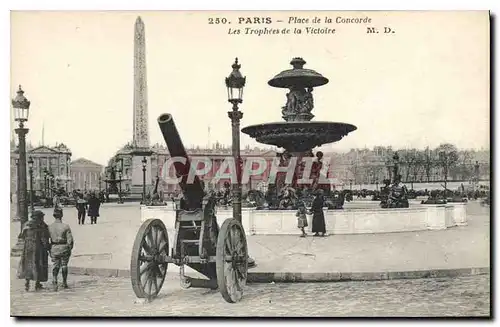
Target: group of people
[[40, 241], [85, 205], [318, 219]]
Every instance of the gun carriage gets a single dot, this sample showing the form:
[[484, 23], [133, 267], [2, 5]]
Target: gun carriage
[[219, 254]]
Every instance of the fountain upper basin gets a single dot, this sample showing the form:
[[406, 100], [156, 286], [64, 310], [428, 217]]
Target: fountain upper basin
[[299, 136]]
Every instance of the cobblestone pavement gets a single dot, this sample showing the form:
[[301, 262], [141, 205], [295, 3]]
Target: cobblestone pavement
[[94, 296]]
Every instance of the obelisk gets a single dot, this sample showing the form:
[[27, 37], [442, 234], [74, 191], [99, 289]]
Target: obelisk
[[140, 142], [141, 135]]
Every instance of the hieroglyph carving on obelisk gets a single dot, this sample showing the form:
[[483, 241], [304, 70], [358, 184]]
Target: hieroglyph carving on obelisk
[[141, 135]]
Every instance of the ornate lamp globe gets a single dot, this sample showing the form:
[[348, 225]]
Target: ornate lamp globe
[[235, 84], [21, 107]]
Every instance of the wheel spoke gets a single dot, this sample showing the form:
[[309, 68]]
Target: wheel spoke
[[146, 267], [144, 281], [149, 237], [155, 281], [227, 247], [146, 247], [159, 272], [149, 284]]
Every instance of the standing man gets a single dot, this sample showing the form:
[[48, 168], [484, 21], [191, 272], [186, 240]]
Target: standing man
[[62, 244], [81, 208], [94, 204]]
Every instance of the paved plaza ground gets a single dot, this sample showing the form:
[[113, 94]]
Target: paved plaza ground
[[109, 243], [99, 296]]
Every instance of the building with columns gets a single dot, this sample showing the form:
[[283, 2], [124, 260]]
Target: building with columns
[[123, 161], [86, 175], [55, 160]]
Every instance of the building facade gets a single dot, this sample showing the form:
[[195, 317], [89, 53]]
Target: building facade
[[122, 163], [47, 161], [87, 175]]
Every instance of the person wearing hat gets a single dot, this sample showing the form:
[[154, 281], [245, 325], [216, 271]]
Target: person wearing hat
[[61, 241], [34, 259], [318, 220]]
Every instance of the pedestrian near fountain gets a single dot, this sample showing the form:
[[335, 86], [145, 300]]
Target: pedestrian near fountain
[[61, 241], [318, 220], [94, 205], [302, 218], [81, 208], [34, 259]]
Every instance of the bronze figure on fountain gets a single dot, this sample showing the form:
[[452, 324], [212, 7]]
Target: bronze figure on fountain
[[298, 135], [395, 195]]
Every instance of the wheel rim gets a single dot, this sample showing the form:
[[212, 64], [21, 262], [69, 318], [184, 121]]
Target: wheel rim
[[147, 266], [232, 260]]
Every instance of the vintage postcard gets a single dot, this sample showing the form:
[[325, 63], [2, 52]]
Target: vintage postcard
[[250, 163]]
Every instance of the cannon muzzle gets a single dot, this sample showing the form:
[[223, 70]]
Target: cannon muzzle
[[193, 192]]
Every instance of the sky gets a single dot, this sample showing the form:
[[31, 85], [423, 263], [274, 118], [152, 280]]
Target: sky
[[425, 84]]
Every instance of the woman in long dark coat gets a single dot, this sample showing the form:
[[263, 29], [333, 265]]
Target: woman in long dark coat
[[318, 220], [34, 264], [93, 212]]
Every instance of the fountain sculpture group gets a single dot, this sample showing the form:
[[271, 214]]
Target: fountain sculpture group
[[298, 135]]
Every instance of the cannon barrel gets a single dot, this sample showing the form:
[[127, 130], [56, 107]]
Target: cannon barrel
[[193, 192]]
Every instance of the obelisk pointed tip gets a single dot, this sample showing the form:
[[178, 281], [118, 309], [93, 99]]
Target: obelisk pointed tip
[[139, 20]]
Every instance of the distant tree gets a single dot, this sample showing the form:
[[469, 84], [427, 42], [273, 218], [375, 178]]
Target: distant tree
[[465, 166], [429, 162], [447, 158]]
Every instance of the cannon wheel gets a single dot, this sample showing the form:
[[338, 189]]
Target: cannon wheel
[[147, 266], [231, 260]]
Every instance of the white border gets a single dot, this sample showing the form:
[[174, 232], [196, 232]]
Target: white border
[[7, 5]]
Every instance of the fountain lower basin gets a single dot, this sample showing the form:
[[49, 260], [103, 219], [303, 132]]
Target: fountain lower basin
[[348, 221]]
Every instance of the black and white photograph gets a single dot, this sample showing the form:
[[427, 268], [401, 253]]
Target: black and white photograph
[[314, 164]]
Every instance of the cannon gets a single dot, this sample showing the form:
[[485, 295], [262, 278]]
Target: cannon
[[219, 254]]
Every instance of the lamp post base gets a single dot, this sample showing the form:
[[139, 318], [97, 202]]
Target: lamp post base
[[251, 262], [17, 249]]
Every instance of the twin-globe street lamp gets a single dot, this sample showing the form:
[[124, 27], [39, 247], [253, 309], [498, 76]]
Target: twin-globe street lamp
[[235, 83], [21, 107]]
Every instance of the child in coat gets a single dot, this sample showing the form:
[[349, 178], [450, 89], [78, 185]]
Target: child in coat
[[302, 218]]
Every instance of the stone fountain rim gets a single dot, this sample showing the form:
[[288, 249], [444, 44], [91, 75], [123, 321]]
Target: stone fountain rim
[[297, 124]]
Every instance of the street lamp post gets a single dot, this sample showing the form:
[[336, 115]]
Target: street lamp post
[[120, 171], [99, 183], [21, 107], [235, 83], [18, 206], [350, 184], [30, 164], [144, 163]]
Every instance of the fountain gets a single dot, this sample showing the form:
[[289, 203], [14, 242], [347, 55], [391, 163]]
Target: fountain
[[298, 135]]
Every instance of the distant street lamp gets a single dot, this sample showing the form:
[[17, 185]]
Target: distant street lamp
[[99, 183], [235, 84], [120, 171], [21, 107], [30, 164], [350, 184], [144, 163]]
